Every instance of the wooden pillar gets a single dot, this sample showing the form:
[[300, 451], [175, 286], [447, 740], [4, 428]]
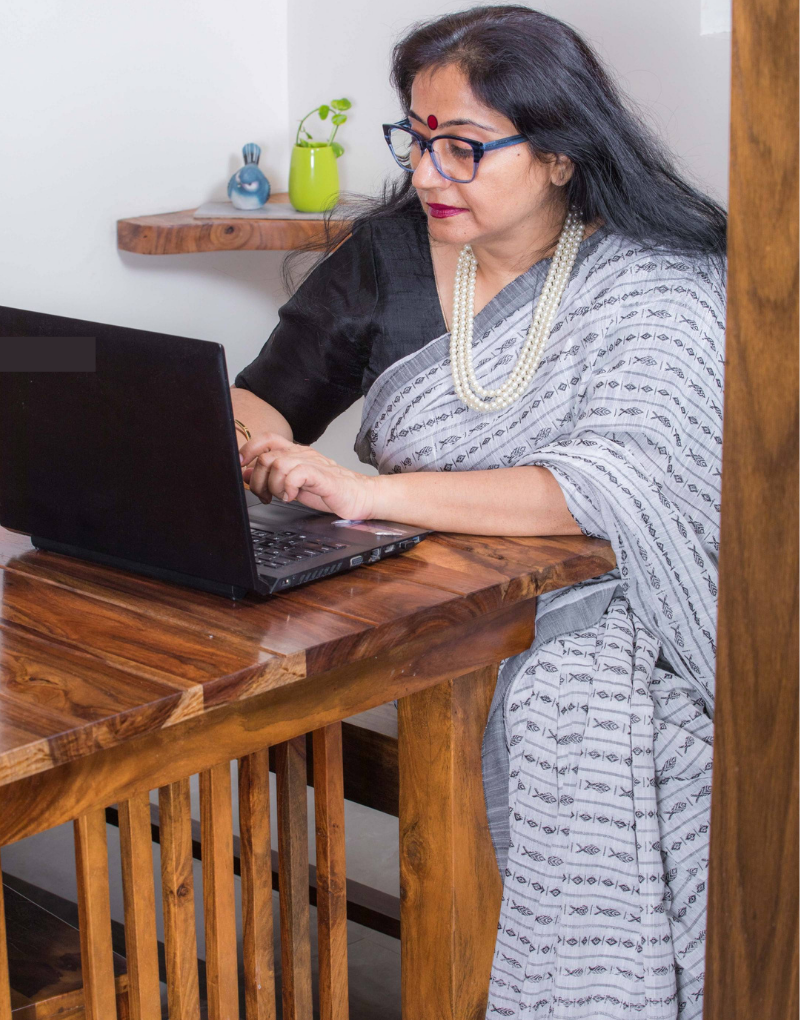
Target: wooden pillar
[[331, 873], [94, 914], [256, 871], [290, 774], [177, 894], [138, 887], [219, 896], [5, 986], [751, 951], [450, 885]]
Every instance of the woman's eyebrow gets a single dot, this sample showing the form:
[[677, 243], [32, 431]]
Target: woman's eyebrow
[[454, 123]]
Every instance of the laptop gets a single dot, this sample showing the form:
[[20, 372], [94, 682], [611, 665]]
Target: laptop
[[118, 446]]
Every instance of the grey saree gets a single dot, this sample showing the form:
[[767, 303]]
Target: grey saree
[[598, 751]]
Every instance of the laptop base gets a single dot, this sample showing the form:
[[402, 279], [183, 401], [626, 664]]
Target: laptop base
[[232, 591]]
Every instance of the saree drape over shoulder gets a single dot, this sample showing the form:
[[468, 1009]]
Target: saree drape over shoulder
[[598, 751]]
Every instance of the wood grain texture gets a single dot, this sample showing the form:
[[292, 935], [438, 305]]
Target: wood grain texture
[[219, 905], [752, 947], [179, 233], [177, 892], [293, 869], [97, 959], [449, 884], [138, 888], [91, 656], [255, 867], [331, 873], [5, 984], [39, 801]]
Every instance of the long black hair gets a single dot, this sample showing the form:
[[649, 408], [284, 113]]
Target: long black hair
[[551, 85]]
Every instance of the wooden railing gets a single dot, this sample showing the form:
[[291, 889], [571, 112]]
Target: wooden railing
[[137, 995]]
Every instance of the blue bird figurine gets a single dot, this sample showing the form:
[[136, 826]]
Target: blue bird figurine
[[249, 188]]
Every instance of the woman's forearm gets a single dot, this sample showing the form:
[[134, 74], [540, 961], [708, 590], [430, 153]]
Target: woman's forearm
[[506, 501], [259, 416]]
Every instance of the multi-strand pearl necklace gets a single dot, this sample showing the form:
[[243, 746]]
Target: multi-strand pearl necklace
[[467, 387]]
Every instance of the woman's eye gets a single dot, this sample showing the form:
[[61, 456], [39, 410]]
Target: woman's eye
[[459, 150]]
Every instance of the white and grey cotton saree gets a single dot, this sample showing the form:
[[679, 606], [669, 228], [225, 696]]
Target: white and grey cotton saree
[[598, 750]]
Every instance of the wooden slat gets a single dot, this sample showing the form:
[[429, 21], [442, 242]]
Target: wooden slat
[[331, 873], [138, 887], [369, 907], [255, 863], [97, 961], [219, 909], [177, 889], [370, 767], [449, 884], [752, 945], [293, 865], [5, 987], [157, 759]]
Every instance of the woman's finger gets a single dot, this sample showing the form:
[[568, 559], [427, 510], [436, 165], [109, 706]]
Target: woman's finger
[[302, 476], [280, 467], [260, 444], [262, 478]]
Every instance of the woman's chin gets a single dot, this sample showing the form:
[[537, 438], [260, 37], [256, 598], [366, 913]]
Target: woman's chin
[[450, 228]]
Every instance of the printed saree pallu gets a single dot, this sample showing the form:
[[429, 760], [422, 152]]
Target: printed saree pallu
[[598, 751]]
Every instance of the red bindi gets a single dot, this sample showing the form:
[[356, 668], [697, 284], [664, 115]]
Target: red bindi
[[433, 123]]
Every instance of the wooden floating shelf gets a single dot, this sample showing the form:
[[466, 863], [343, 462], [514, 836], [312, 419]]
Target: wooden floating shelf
[[179, 233]]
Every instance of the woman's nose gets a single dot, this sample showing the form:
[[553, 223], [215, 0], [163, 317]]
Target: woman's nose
[[426, 175]]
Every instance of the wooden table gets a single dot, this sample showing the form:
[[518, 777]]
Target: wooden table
[[113, 685]]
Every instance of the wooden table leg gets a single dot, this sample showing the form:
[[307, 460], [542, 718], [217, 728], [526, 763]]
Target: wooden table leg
[[5, 985], [449, 882]]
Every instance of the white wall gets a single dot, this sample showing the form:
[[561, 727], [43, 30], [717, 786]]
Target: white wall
[[120, 109]]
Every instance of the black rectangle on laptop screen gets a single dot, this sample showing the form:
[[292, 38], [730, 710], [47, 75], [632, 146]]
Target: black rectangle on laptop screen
[[48, 354]]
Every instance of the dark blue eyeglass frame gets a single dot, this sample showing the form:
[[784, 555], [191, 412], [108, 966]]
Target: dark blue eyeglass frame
[[478, 148]]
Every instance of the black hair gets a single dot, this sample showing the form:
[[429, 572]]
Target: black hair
[[548, 81]]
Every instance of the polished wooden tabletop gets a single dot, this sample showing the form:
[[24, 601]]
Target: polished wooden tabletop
[[92, 656]]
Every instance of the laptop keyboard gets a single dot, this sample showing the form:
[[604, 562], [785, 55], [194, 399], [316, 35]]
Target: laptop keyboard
[[284, 548]]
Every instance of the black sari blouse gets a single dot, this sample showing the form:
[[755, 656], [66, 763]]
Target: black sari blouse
[[364, 307]]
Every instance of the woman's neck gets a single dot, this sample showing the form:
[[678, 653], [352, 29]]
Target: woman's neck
[[506, 258]]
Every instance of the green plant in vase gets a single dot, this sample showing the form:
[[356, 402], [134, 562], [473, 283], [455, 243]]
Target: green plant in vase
[[313, 173]]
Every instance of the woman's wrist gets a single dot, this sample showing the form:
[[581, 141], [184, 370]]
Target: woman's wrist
[[385, 505]]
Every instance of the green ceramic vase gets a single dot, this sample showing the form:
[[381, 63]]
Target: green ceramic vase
[[313, 177]]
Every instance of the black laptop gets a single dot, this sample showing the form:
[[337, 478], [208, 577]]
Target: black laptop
[[118, 445]]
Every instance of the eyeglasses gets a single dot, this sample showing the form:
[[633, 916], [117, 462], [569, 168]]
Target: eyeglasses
[[455, 158]]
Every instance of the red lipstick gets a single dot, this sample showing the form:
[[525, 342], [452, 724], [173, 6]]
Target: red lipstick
[[443, 211]]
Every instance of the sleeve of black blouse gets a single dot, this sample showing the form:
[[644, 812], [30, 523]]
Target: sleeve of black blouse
[[311, 367]]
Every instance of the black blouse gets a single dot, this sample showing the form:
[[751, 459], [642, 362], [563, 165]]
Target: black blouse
[[370, 303]]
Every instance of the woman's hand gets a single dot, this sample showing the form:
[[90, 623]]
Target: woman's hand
[[274, 466]]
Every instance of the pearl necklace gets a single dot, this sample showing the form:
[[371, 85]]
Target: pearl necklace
[[467, 387]]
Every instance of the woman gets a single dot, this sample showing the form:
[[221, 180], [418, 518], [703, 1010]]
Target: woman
[[587, 398]]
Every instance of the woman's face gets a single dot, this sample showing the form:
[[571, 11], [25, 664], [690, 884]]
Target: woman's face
[[513, 193]]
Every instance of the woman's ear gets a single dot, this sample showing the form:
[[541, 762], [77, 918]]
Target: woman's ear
[[561, 170]]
